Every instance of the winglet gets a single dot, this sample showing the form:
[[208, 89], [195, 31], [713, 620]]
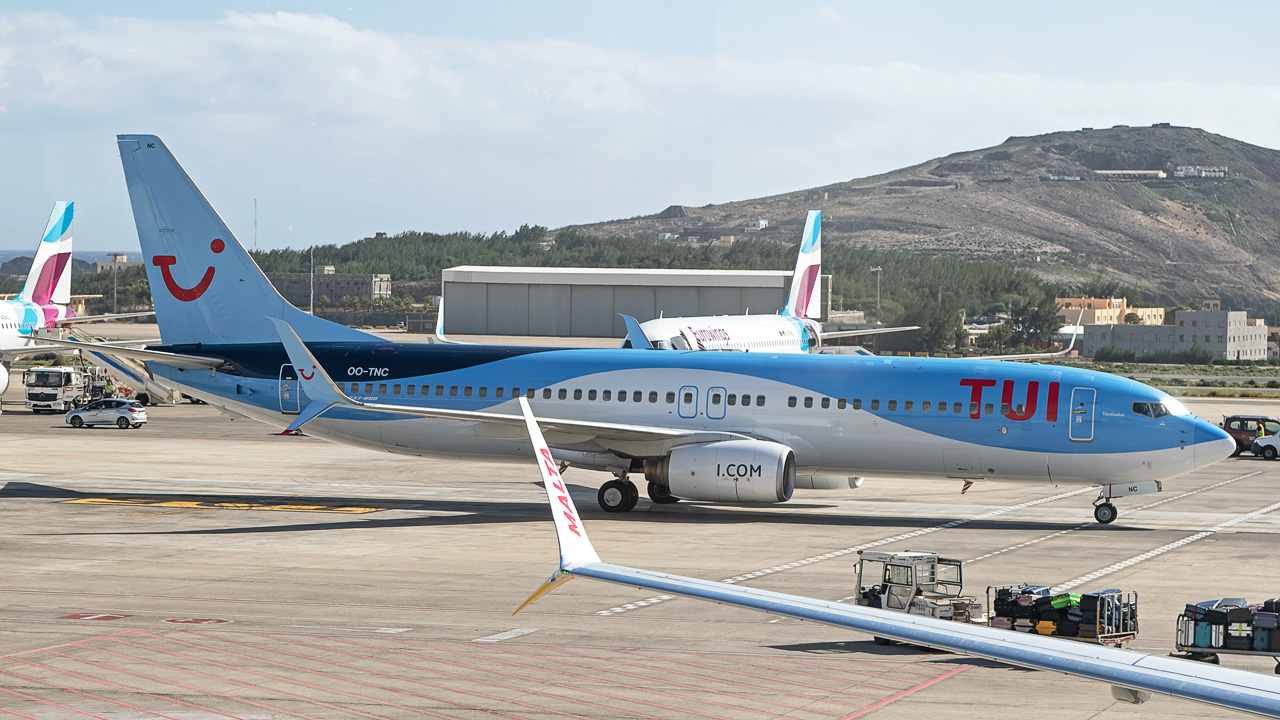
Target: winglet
[[324, 393], [575, 548], [635, 334]]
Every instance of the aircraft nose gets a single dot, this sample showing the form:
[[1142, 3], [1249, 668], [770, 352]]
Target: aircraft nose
[[1212, 444]]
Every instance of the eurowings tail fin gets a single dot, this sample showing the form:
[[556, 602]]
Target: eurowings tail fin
[[49, 282], [803, 302], [206, 287]]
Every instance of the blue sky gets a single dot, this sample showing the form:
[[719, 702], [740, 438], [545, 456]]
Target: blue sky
[[345, 119]]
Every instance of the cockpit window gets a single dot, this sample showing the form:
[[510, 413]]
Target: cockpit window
[[1175, 406], [1152, 410]]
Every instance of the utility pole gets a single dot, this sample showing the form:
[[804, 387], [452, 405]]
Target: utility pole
[[312, 305], [255, 224], [877, 270]]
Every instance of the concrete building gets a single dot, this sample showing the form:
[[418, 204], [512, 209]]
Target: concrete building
[[296, 287], [1104, 311], [1230, 335], [118, 261], [585, 302]]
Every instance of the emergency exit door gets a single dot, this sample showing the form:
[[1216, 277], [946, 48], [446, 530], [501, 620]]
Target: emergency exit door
[[290, 402]]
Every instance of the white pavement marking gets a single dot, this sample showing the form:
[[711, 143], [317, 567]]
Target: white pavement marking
[[838, 553], [385, 631], [1126, 512], [1161, 550], [506, 635]]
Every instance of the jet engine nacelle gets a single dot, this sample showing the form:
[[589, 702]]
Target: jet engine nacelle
[[4, 378], [745, 471]]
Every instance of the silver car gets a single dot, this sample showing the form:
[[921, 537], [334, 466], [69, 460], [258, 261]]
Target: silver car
[[124, 414]]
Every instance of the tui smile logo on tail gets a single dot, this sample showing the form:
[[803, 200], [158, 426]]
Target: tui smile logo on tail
[[164, 262]]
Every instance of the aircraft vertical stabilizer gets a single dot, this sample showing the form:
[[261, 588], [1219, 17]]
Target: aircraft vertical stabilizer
[[804, 300], [49, 282], [206, 287]]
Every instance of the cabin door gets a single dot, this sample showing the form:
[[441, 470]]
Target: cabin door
[[290, 400], [1082, 405]]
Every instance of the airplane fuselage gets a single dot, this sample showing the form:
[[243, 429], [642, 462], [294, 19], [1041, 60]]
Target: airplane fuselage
[[757, 333], [973, 419]]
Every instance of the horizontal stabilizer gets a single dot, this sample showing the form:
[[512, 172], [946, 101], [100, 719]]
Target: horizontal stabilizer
[[867, 331], [177, 360]]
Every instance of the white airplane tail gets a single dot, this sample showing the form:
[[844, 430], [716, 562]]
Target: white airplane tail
[[49, 282], [803, 302]]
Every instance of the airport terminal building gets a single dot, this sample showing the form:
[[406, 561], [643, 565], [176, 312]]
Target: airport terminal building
[[1230, 335], [585, 302]]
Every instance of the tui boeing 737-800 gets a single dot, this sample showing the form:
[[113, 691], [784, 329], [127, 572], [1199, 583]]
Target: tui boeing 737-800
[[719, 427]]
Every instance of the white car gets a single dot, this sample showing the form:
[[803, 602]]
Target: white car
[[1268, 447], [124, 414]]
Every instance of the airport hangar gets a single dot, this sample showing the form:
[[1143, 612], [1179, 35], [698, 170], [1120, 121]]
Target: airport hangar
[[585, 302]]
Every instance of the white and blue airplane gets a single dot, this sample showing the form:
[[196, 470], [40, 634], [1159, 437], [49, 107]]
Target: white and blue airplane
[[795, 329], [717, 427], [1133, 676]]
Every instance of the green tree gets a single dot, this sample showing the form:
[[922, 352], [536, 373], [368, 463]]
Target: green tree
[[1034, 321], [1133, 319]]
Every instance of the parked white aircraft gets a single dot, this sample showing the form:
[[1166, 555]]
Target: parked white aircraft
[[1133, 676], [720, 427], [794, 329]]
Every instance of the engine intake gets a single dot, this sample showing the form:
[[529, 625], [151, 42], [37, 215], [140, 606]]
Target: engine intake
[[744, 471]]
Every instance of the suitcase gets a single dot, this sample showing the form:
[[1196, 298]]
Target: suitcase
[[1067, 628], [1064, 601], [1268, 620], [1275, 641], [1240, 629], [1203, 634], [1186, 635], [1002, 623], [1213, 616], [1046, 627], [1237, 642], [1239, 615], [1272, 605], [1262, 640], [1087, 631]]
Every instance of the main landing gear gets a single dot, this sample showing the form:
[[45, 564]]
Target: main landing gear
[[618, 495], [1105, 512]]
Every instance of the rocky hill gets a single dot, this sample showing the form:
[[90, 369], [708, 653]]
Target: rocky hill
[[1049, 204]]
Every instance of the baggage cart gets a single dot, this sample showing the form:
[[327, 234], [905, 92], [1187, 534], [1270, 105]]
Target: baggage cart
[[1108, 617], [1204, 635]]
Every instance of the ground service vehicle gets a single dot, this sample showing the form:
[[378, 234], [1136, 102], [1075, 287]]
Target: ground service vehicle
[[1244, 428], [918, 583], [55, 389], [122, 413]]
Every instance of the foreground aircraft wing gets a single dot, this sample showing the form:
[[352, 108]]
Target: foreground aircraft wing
[[178, 360], [29, 349], [99, 318], [1132, 675], [325, 394], [866, 331]]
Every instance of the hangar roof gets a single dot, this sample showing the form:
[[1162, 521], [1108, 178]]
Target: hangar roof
[[617, 276]]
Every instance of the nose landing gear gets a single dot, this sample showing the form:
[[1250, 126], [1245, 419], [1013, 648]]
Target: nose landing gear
[[1105, 513]]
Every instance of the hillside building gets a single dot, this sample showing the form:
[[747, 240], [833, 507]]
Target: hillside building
[[296, 287], [1104, 311], [118, 261], [1229, 334]]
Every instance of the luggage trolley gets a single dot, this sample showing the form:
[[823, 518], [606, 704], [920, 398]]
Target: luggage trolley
[[1229, 627], [1106, 617]]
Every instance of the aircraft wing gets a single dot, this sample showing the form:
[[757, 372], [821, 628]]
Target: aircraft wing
[[325, 394], [1132, 675], [100, 318], [866, 331], [178, 360], [29, 349]]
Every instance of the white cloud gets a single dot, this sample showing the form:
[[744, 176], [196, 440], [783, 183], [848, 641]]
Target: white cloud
[[341, 131]]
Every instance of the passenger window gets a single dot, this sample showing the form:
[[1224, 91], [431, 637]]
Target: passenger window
[[746, 401], [826, 403], [942, 406], [973, 408], [484, 391], [591, 394], [857, 403], [382, 388], [368, 388], [759, 401], [439, 391], [840, 404], [875, 404], [577, 393], [688, 398], [606, 395], [395, 389], [453, 391], [906, 405], [1021, 409], [498, 391], [732, 399], [988, 409], [637, 396], [466, 391], [355, 387], [529, 393], [893, 405], [808, 402], [562, 394], [925, 405], [410, 389], [653, 397], [791, 401], [1004, 408], [957, 407], [546, 393], [622, 396], [671, 398]]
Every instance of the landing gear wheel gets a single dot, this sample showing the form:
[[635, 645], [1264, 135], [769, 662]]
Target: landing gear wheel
[[618, 496], [881, 640], [144, 398], [123, 423], [1105, 513], [1238, 451], [1269, 453], [660, 494], [77, 421]]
